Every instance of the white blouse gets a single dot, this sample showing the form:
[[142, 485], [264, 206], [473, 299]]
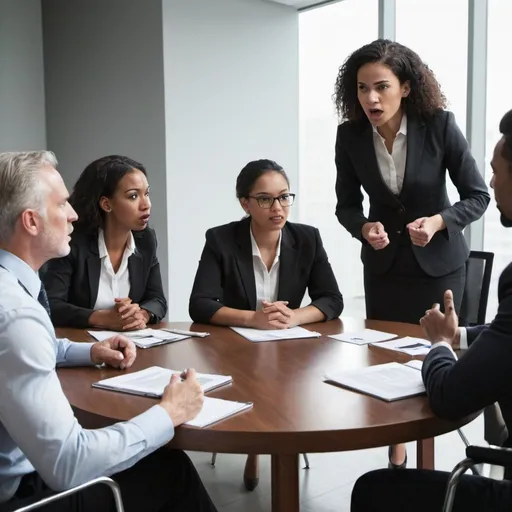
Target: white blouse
[[113, 285], [267, 282], [392, 166]]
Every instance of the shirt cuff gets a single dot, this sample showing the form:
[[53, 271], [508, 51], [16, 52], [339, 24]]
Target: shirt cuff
[[156, 425], [79, 354], [463, 338], [444, 344]]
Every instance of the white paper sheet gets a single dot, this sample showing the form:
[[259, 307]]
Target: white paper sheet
[[152, 381], [415, 363], [363, 337], [258, 335], [215, 410], [143, 338], [389, 382], [407, 345]]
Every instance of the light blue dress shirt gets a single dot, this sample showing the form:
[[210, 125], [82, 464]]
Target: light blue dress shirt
[[38, 430]]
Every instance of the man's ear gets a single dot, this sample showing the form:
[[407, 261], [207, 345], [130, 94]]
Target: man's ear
[[32, 222]]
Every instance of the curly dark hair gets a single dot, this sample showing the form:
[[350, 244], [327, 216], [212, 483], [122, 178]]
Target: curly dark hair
[[425, 97], [100, 178]]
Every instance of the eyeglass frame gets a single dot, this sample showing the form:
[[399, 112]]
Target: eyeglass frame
[[274, 199]]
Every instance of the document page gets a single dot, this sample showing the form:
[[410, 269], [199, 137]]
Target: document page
[[143, 338], [258, 335], [215, 410], [363, 337], [407, 345], [390, 381], [152, 381]]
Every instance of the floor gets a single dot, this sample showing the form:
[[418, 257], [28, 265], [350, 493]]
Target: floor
[[327, 485]]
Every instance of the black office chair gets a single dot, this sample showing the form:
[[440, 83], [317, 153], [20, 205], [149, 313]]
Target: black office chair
[[474, 455], [474, 309], [114, 487], [476, 291]]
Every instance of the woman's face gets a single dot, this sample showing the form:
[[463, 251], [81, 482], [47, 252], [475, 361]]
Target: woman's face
[[380, 93], [267, 187], [130, 205]]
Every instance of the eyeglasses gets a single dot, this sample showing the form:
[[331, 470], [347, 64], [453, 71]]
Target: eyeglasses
[[267, 202]]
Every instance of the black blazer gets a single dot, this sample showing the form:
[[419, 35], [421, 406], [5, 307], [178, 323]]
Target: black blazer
[[72, 282], [434, 145], [483, 375], [225, 276]]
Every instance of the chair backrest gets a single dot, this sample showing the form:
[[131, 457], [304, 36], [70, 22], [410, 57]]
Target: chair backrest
[[476, 291]]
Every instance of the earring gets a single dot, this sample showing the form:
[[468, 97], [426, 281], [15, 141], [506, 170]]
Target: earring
[[109, 210]]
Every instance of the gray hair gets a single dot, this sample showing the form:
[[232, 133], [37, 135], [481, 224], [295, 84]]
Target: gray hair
[[21, 187]]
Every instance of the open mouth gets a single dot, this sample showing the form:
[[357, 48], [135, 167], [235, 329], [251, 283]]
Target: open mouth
[[375, 112], [277, 218]]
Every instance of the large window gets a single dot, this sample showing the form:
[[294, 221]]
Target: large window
[[499, 77], [327, 36], [438, 31]]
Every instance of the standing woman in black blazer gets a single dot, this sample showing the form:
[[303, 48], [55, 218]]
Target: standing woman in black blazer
[[397, 142], [111, 278], [255, 272]]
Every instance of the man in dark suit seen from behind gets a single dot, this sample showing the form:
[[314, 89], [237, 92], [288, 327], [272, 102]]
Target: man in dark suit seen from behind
[[458, 388]]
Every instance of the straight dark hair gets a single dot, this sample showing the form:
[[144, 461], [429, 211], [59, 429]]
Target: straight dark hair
[[250, 174]]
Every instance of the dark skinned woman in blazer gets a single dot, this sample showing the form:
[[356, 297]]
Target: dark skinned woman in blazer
[[397, 142], [255, 272], [111, 278]]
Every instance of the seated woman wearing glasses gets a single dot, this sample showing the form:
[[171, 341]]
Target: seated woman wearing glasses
[[255, 272], [111, 278]]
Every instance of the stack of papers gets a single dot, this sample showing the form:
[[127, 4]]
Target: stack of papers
[[258, 335], [143, 338], [407, 345], [389, 382], [152, 381], [363, 337], [215, 410]]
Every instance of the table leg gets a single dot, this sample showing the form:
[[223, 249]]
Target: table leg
[[252, 472], [285, 483], [425, 453]]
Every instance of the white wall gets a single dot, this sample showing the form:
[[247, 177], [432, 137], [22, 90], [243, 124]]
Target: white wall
[[105, 91], [22, 117], [231, 96]]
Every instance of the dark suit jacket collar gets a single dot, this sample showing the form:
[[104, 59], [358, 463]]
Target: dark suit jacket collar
[[362, 150], [93, 262], [288, 261]]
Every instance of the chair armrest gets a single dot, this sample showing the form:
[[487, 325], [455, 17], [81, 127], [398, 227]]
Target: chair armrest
[[114, 487], [495, 456]]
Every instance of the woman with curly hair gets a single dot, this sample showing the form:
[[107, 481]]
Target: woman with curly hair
[[397, 142], [111, 278]]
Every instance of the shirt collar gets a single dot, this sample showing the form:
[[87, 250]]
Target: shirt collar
[[102, 247], [26, 275], [256, 249], [402, 130]]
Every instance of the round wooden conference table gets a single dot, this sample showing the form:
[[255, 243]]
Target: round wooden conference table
[[294, 411]]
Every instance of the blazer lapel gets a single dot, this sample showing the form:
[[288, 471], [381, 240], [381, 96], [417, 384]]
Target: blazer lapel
[[363, 153], [136, 271], [93, 271], [243, 258], [415, 139], [288, 265]]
